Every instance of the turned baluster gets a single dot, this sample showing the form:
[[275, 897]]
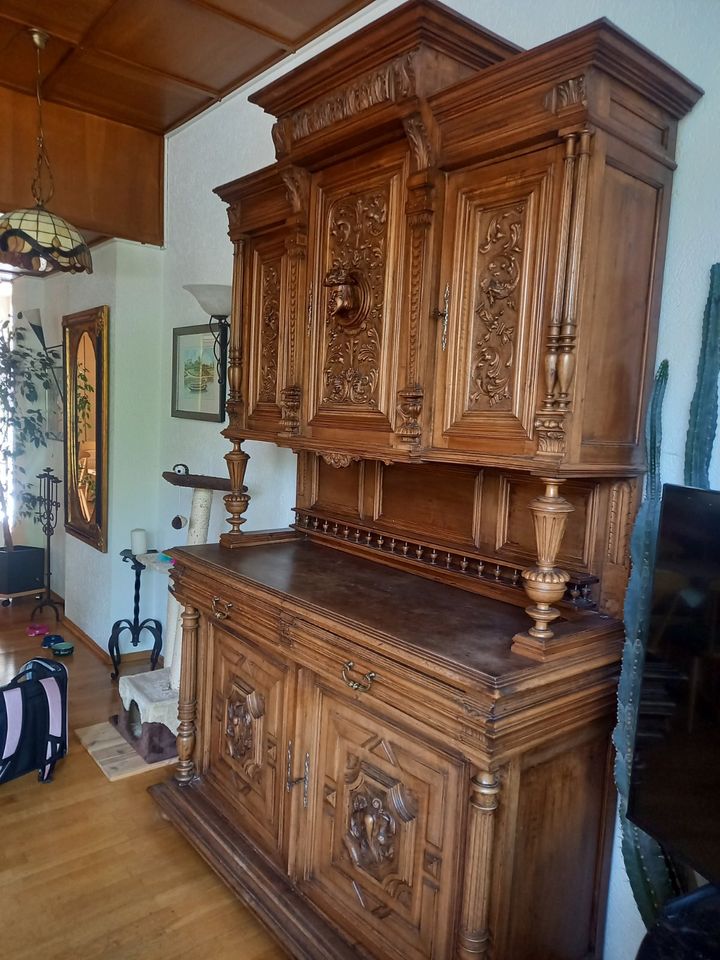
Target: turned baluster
[[187, 701], [545, 583]]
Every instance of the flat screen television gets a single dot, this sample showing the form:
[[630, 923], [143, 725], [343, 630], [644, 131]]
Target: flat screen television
[[675, 780]]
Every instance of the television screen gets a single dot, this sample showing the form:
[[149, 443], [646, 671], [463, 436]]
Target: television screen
[[675, 783]]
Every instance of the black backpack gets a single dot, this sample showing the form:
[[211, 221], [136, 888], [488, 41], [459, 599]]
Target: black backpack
[[33, 720]]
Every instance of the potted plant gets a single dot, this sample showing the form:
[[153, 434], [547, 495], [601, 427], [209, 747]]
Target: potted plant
[[23, 370]]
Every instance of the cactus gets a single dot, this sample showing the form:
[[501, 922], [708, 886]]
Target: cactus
[[648, 870], [704, 406]]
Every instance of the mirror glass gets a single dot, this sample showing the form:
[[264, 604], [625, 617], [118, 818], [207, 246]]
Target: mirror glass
[[85, 338], [85, 382]]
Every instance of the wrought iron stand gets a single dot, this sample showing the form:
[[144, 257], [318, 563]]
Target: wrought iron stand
[[154, 627], [47, 516]]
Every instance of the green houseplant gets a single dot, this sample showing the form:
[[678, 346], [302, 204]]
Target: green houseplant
[[23, 372]]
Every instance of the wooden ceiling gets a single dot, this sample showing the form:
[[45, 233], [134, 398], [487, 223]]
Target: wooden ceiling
[[153, 64]]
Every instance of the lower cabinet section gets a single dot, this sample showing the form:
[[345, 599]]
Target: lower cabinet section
[[370, 799]]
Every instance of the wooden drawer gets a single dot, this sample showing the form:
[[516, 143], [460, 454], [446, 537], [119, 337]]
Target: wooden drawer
[[236, 607], [380, 682]]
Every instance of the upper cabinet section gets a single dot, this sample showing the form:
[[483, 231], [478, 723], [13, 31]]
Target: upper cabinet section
[[358, 90], [458, 253]]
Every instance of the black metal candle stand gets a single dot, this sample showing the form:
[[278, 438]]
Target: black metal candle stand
[[154, 627], [46, 515]]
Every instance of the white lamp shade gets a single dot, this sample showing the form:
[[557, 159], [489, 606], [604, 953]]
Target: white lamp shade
[[214, 298]]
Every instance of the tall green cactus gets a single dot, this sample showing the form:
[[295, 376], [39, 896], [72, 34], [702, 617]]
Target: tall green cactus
[[704, 406], [648, 871]]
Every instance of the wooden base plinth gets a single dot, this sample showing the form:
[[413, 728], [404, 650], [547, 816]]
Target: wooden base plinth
[[289, 917], [568, 638]]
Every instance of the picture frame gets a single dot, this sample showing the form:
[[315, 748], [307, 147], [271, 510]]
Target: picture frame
[[199, 358]]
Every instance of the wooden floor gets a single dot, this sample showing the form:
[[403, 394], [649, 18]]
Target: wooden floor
[[88, 869]]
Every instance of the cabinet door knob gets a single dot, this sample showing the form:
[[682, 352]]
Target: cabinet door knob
[[363, 685], [220, 608], [444, 317]]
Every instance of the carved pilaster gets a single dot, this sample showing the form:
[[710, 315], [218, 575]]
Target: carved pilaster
[[234, 366], [296, 247], [236, 502], [566, 358], [553, 340], [474, 939], [187, 701], [419, 212], [545, 583]]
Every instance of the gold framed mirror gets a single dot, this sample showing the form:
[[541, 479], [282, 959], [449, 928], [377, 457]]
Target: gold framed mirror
[[85, 350]]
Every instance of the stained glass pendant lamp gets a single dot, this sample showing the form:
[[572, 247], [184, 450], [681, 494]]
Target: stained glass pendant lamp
[[36, 240]]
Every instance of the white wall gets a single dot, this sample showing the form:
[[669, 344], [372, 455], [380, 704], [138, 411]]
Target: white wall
[[144, 289], [98, 587]]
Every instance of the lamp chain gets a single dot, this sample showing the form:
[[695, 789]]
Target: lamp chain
[[43, 171]]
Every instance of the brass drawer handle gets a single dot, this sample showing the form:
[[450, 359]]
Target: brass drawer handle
[[362, 685], [219, 613]]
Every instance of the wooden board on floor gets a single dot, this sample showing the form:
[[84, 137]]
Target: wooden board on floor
[[113, 754]]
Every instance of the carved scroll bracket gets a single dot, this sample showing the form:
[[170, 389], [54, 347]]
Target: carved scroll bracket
[[420, 137], [410, 404], [290, 400], [568, 93], [339, 460], [297, 184]]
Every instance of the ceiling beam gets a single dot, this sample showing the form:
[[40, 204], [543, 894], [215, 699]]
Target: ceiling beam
[[108, 176]]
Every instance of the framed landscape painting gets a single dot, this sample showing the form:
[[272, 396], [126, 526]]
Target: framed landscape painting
[[198, 387]]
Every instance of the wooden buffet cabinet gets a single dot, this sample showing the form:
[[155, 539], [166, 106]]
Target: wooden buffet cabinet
[[446, 294]]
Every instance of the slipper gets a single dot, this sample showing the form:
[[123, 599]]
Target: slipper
[[52, 639], [37, 630]]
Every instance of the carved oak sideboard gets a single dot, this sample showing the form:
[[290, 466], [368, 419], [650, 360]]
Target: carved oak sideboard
[[446, 294]]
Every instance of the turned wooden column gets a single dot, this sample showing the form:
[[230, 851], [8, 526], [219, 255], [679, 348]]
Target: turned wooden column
[[236, 502], [474, 936], [545, 583], [187, 702]]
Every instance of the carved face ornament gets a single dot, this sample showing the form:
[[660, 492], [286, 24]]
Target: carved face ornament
[[348, 299]]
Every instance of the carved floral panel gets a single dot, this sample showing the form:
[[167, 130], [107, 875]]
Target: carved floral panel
[[354, 284], [269, 329], [498, 279]]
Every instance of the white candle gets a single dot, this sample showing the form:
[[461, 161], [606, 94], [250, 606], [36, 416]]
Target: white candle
[[138, 542]]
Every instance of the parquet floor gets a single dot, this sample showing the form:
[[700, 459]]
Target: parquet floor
[[88, 868]]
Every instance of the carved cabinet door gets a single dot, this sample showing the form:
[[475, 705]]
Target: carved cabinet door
[[252, 694], [265, 330], [499, 251], [355, 282], [381, 849]]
